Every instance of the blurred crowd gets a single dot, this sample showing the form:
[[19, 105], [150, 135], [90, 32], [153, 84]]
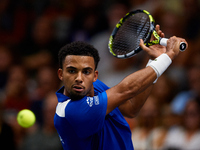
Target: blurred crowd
[[33, 31]]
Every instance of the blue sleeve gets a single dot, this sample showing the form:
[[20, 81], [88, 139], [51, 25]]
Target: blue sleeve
[[87, 115], [99, 86]]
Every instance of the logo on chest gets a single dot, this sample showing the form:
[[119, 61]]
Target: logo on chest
[[92, 101]]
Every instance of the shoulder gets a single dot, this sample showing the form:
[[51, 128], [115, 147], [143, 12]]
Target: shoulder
[[99, 86], [87, 106]]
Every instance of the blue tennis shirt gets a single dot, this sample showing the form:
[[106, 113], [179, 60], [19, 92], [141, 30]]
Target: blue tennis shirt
[[84, 125]]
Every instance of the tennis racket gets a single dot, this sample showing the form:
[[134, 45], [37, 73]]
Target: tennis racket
[[135, 25]]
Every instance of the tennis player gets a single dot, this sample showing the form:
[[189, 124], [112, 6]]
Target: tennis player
[[89, 114]]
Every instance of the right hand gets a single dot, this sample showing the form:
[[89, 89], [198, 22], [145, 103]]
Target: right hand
[[173, 44], [155, 50]]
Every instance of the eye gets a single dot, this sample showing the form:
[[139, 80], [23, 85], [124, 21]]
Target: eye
[[71, 71], [86, 72]]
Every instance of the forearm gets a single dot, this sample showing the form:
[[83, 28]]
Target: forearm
[[138, 82], [130, 87], [132, 107]]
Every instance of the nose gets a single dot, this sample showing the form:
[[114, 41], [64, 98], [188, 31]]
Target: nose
[[79, 78]]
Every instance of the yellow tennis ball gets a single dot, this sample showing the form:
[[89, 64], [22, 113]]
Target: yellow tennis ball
[[26, 118]]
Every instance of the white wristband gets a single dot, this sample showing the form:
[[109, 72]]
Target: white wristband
[[150, 60], [160, 64]]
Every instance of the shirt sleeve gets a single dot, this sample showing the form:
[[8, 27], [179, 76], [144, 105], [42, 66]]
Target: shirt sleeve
[[99, 86], [87, 115]]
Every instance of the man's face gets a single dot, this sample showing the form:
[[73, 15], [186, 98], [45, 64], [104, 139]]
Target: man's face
[[78, 75]]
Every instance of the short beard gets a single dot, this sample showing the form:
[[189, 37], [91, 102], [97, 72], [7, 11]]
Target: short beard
[[75, 97]]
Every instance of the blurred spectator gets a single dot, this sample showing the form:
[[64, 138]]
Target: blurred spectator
[[119, 70], [63, 20], [149, 5], [46, 82], [5, 63], [16, 93], [88, 20], [45, 137], [192, 19], [13, 22], [40, 49], [16, 98], [170, 22], [148, 129], [164, 90], [186, 137], [37, 7], [179, 102], [7, 139]]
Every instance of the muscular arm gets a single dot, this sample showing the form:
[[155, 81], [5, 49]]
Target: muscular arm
[[132, 106], [131, 93]]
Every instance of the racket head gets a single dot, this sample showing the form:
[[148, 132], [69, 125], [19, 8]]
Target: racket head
[[125, 38]]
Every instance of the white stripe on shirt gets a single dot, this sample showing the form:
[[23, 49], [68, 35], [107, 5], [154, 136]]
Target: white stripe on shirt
[[60, 109]]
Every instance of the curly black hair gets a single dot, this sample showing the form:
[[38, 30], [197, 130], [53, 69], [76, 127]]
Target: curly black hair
[[78, 48]]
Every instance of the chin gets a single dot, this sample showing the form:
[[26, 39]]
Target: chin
[[76, 97]]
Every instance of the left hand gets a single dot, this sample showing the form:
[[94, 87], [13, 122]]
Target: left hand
[[155, 50]]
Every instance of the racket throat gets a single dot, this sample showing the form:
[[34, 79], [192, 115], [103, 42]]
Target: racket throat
[[163, 41], [157, 41]]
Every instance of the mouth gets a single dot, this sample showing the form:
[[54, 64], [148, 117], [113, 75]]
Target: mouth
[[78, 88]]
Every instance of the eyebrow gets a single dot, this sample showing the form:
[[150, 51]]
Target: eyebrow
[[71, 67]]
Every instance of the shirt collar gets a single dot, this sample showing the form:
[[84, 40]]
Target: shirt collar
[[61, 97]]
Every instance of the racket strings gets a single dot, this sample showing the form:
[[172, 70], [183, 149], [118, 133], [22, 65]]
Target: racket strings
[[128, 36]]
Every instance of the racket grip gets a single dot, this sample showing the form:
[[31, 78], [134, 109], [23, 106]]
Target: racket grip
[[163, 42]]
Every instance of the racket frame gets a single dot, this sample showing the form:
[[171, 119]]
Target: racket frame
[[147, 42], [147, 38]]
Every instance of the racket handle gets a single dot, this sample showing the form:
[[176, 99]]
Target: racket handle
[[163, 42]]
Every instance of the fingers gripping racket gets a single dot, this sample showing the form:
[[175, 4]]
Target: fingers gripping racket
[[135, 25]]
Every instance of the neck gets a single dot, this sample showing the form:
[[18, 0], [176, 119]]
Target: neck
[[91, 92]]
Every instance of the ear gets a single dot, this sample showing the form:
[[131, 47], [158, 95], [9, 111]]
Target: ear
[[95, 75], [60, 74]]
